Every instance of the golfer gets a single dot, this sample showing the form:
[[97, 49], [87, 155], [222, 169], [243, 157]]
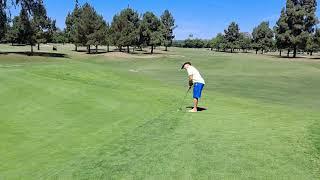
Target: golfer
[[195, 80]]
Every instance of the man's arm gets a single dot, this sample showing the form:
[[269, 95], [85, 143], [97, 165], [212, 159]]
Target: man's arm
[[190, 81]]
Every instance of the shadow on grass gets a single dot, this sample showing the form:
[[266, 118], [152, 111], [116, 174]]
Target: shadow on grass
[[97, 52], [285, 57], [41, 54], [200, 109], [93, 51], [154, 53]]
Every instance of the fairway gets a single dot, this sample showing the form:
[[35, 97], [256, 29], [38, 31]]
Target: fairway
[[111, 117]]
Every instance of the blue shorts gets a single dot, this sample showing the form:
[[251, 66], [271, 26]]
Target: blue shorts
[[197, 90]]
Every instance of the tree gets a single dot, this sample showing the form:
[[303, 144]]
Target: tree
[[91, 27], [167, 21], [282, 33], [108, 38], [3, 19], [194, 43], [295, 22], [232, 35], [125, 28], [218, 42], [72, 26], [178, 43], [301, 20], [151, 30], [40, 23], [59, 37], [310, 19], [245, 41], [12, 34], [28, 5], [313, 43], [262, 37], [26, 30], [98, 37], [51, 30]]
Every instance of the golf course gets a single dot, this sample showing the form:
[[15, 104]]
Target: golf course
[[116, 116]]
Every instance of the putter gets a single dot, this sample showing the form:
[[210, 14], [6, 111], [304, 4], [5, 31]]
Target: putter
[[180, 109]]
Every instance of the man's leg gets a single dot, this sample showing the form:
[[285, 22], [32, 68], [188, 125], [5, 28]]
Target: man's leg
[[197, 90], [195, 107]]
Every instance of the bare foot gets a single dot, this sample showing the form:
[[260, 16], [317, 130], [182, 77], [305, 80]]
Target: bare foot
[[193, 111]]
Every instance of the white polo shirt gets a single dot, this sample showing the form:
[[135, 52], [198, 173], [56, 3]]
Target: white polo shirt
[[197, 78]]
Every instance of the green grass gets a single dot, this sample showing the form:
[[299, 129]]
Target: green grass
[[86, 117]]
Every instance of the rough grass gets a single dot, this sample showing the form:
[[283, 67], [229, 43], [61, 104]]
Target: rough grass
[[86, 117]]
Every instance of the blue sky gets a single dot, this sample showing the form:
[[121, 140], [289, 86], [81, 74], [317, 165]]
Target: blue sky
[[202, 18]]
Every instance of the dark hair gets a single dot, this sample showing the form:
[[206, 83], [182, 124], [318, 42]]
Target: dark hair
[[185, 64]]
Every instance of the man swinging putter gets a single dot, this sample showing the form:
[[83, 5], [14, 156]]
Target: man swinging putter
[[195, 80]]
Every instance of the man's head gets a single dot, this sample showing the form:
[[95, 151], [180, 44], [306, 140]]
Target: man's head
[[186, 65]]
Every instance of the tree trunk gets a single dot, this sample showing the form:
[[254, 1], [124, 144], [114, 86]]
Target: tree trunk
[[89, 49], [96, 49], [108, 48], [167, 48], [288, 54], [38, 46], [280, 52], [11, 43], [76, 47], [294, 52], [256, 51], [151, 49], [231, 50], [311, 53], [128, 49], [120, 48], [262, 51], [31, 49]]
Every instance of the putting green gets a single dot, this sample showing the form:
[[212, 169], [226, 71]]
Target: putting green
[[100, 116]]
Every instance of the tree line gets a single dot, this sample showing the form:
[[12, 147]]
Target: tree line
[[85, 27], [294, 31]]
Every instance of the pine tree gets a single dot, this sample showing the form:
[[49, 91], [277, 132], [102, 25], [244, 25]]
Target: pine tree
[[59, 36], [167, 21], [301, 20], [40, 23], [262, 37], [98, 36], [282, 32], [151, 30], [313, 42], [13, 31], [232, 35], [3, 19], [72, 26], [125, 28], [218, 42], [91, 27], [245, 41], [310, 8], [28, 5], [26, 30], [108, 38], [296, 23]]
